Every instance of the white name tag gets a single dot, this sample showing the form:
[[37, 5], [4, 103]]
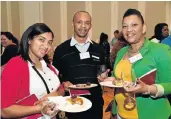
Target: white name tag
[[95, 57], [135, 58], [84, 55]]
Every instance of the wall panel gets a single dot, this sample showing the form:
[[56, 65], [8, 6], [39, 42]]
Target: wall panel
[[30, 13], [58, 15], [4, 25], [72, 7], [15, 19], [123, 6], [51, 16], [101, 19], [155, 13]]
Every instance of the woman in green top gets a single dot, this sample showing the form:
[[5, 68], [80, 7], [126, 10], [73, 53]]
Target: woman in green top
[[150, 93]]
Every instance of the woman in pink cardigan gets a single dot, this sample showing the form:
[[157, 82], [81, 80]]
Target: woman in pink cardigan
[[29, 74]]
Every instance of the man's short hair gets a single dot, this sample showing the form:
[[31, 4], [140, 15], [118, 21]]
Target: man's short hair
[[79, 12]]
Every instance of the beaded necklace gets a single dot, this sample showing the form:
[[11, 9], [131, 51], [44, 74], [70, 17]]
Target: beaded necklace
[[131, 53]]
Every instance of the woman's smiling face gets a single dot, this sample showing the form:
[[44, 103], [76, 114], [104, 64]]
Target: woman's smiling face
[[40, 45], [165, 31], [133, 29]]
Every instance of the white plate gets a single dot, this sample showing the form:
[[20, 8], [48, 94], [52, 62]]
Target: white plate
[[86, 86], [109, 84], [64, 105]]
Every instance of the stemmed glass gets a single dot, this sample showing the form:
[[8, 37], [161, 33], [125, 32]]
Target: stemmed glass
[[129, 102], [119, 81], [49, 109], [134, 77], [101, 69]]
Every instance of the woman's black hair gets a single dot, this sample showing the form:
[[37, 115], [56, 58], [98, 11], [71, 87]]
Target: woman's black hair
[[29, 34], [158, 31], [103, 37], [1, 49], [10, 36], [46, 59], [134, 12], [116, 31]]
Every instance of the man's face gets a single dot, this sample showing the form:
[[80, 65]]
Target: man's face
[[81, 24]]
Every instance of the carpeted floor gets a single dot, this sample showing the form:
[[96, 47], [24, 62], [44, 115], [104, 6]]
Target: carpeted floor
[[108, 96]]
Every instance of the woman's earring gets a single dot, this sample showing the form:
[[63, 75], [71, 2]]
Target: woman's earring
[[29, 42]]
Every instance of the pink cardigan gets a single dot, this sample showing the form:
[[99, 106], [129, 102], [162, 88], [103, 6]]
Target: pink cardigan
[[15, 81]]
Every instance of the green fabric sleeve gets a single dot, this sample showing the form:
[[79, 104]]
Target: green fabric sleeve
[[163, 61]]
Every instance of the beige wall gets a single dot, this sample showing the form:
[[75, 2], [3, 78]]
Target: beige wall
[[51, 16], [154, 15], [101, 19], [106, 16], [29, 14], [15, 22], [4, 24], [73, 7], [123, 6]]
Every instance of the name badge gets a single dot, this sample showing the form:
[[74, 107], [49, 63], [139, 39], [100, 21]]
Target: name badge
[[135, 58], [95, 57], [84, 55]]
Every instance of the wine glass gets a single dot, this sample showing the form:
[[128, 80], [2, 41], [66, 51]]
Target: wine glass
[[119, 81], [134, 77], [101, 71], [133, 82], [129, 102], [50, 109]]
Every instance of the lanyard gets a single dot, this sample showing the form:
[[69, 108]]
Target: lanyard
[[47, 89]]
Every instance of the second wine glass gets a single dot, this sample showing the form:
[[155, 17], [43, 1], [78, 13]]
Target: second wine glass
[[101, 71]]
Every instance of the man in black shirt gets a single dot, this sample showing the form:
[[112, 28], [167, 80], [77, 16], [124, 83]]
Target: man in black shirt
[[77, 60]]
